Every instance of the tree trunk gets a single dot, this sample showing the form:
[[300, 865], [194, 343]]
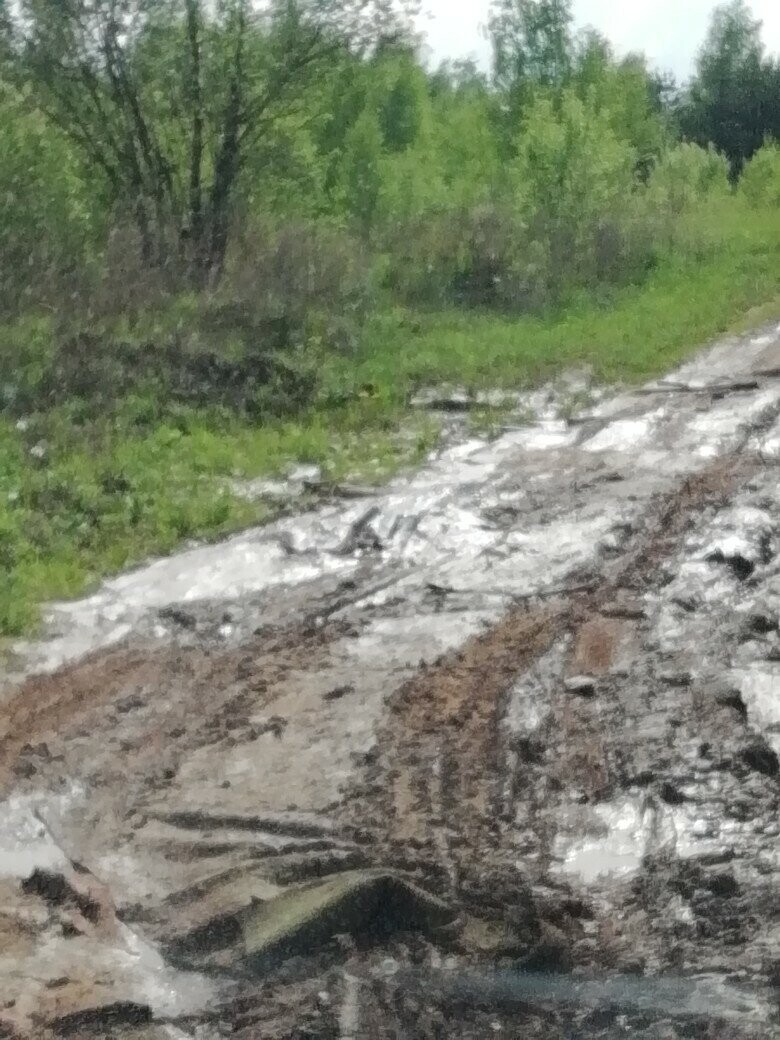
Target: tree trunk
[[197, 258], [228, 159]]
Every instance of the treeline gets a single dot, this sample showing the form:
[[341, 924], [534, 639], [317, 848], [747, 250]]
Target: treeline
[[297, 157]]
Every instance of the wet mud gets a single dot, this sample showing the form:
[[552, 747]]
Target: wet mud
[[535, 687]]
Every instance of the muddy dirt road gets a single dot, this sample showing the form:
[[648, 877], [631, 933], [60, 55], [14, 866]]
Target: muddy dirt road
[[494, 750]]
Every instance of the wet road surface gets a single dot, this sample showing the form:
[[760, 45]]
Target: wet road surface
[[494, 749]]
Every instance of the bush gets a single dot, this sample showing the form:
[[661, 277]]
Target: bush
[[252, 347], [760, 181], [573, 183], [312, 280], [685, 175], [460, 257]]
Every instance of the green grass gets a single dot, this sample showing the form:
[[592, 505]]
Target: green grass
[[105, 495], [81, 513], [634, 335]]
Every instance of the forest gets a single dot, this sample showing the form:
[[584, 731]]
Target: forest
[[237, 235]]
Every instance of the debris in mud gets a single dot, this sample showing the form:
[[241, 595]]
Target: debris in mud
[[668, 998], [368, 905], [183, 618], [338, 692], [670, 677], [96, 1020], [582, 685], [275, 725], [83, 905], [741, 566]]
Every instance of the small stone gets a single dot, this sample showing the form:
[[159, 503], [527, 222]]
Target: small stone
[[762, 623], [131, 703], [761, 759], [671, 794], [701, 829], [733, 699], [723, 885], [581, 685], [25, 770]]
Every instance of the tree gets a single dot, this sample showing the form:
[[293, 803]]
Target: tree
[[457, 77], [626, 91], [45, 212], [572, 175], [734, 99], [401, 109], [532, 42], [167, 98], [361, 176]]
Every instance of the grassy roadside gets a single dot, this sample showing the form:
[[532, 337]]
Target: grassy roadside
[[81, 500]]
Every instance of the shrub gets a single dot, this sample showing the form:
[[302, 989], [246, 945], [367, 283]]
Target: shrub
[[460, 257], [572, 183], [760, 181], [685, 175], [306, 276]]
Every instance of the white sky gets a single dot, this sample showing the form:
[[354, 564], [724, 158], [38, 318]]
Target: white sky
[[669, 32]]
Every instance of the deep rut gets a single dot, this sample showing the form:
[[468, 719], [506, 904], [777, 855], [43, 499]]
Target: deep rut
[[445, 758]]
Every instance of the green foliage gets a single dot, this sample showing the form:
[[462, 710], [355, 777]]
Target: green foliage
[[734, 100], [167, 101], [625, 91], [760, 181], [572, 173], [464, 149], [45, 212], [570, 164], [360, 178], [532, 42], [82, 495], [685, 175], [401, 108]]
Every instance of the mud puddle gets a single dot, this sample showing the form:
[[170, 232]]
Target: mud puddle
[[536, 684]]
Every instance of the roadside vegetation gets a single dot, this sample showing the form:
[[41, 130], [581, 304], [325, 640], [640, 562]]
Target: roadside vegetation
[[234, 237]]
